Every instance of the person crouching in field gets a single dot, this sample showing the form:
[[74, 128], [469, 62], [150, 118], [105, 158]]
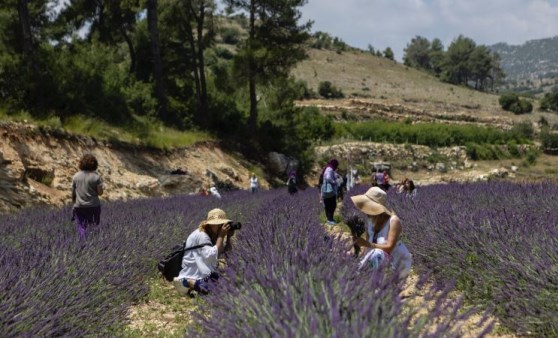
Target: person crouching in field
[[383, 232], [199, 266], [87, 186]]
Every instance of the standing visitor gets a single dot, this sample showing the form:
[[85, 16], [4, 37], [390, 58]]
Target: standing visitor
[[291, 183], [87, 186], [386, 184], [328, 189], [383, 233], [214, 192], [254, 185]]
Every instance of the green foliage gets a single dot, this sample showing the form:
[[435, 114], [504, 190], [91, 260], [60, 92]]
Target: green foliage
[[550, 101], [513, 149], [429, 134], [549, 140], [327, 90], [322, 40], [468, 64], [417, 53], [230, 35], [512, 102], [523, 130], [388, 53], [290, 129], [488, 152]]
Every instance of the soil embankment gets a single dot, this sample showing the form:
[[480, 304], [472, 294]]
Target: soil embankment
[[37, 165]]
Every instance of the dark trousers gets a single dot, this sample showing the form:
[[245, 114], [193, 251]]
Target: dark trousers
[[330, 204], [86, 217]]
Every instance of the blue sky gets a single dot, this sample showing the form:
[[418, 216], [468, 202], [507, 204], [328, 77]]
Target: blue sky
[[394, 23]]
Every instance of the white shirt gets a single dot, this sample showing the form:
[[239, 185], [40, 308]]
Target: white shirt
[[253, 182], [214, 192], [199, 263], [400, 254]]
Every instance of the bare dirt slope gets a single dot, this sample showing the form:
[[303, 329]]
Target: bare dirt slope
[[37, 165]]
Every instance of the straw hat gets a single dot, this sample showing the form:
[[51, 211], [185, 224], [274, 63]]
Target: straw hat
[[373, 202], [217, 216]]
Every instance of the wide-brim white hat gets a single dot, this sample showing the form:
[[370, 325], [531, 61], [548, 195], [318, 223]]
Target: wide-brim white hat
[[373, 202]]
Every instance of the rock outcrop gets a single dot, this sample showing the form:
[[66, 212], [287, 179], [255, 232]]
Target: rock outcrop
[[37, 165]]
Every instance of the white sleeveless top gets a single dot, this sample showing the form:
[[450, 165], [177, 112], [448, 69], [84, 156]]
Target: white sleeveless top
[[400, 255]]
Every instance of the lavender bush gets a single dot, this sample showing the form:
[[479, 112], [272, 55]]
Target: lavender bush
[[285, 276], [52, 284], [288, 278], [498, 241]]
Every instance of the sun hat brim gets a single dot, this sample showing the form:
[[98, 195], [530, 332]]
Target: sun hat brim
[[370, 207], [218, 221]]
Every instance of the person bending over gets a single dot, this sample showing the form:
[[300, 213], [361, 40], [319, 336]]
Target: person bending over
[[383, 231], [199, 266]]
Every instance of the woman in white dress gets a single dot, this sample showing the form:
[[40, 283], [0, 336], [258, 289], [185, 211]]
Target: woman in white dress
[[383, 231]]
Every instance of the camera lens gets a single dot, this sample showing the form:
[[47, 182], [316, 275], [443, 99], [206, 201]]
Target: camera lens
[[236, 225]]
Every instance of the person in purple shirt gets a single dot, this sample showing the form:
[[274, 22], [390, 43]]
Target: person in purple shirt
[[87, 186]]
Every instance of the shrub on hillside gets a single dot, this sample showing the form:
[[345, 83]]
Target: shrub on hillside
[[549, 140], [523, 130], [230, 35], [429, 134], [550, 101], [327, 90], [512, 102]]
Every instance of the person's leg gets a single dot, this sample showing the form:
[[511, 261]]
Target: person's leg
[[84, 217], [329, 205], [205, 285], [96, 215]]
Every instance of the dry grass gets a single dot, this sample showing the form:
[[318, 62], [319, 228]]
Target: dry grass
[[163, 314], [379, 80]]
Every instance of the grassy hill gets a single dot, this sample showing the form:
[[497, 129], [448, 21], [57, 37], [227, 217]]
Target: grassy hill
[[375, 79]]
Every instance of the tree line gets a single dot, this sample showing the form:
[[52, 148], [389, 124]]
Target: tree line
[[161, 59], [463, 63]]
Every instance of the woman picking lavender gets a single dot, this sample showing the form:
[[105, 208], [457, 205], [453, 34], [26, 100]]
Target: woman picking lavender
[[383, 231]]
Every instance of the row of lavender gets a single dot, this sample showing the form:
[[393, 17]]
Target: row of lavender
[[286, 277], [497, 241], [51, 284]]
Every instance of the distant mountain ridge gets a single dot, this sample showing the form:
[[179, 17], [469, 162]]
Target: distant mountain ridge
[[533, 64]]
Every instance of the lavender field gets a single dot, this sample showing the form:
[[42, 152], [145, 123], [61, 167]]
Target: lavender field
[[287, 276], [497, 241]]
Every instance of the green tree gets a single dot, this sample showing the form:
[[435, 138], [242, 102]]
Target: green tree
[[436, 56], [158, 71], [480, 65], [275, 44], [388, 53], [456, 68], [550, 101], [418, 53]]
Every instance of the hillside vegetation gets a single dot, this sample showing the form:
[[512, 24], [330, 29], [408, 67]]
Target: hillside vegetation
[[530, 67]]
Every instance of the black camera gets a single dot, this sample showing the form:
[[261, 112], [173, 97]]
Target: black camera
[[235, 225]]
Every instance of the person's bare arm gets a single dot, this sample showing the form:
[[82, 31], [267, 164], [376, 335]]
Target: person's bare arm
[[221, 237], [393, 237]]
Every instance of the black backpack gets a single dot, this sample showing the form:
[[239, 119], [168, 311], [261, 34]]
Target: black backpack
[[171, 265]]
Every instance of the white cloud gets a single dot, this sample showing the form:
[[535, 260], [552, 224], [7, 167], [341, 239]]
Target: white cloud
[[394, 23]]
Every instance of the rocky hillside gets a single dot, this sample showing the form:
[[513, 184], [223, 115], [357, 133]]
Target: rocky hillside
[[37, 165], [533, 64]]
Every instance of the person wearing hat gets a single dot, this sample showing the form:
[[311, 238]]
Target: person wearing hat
[[199, 265], [383, 231]]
